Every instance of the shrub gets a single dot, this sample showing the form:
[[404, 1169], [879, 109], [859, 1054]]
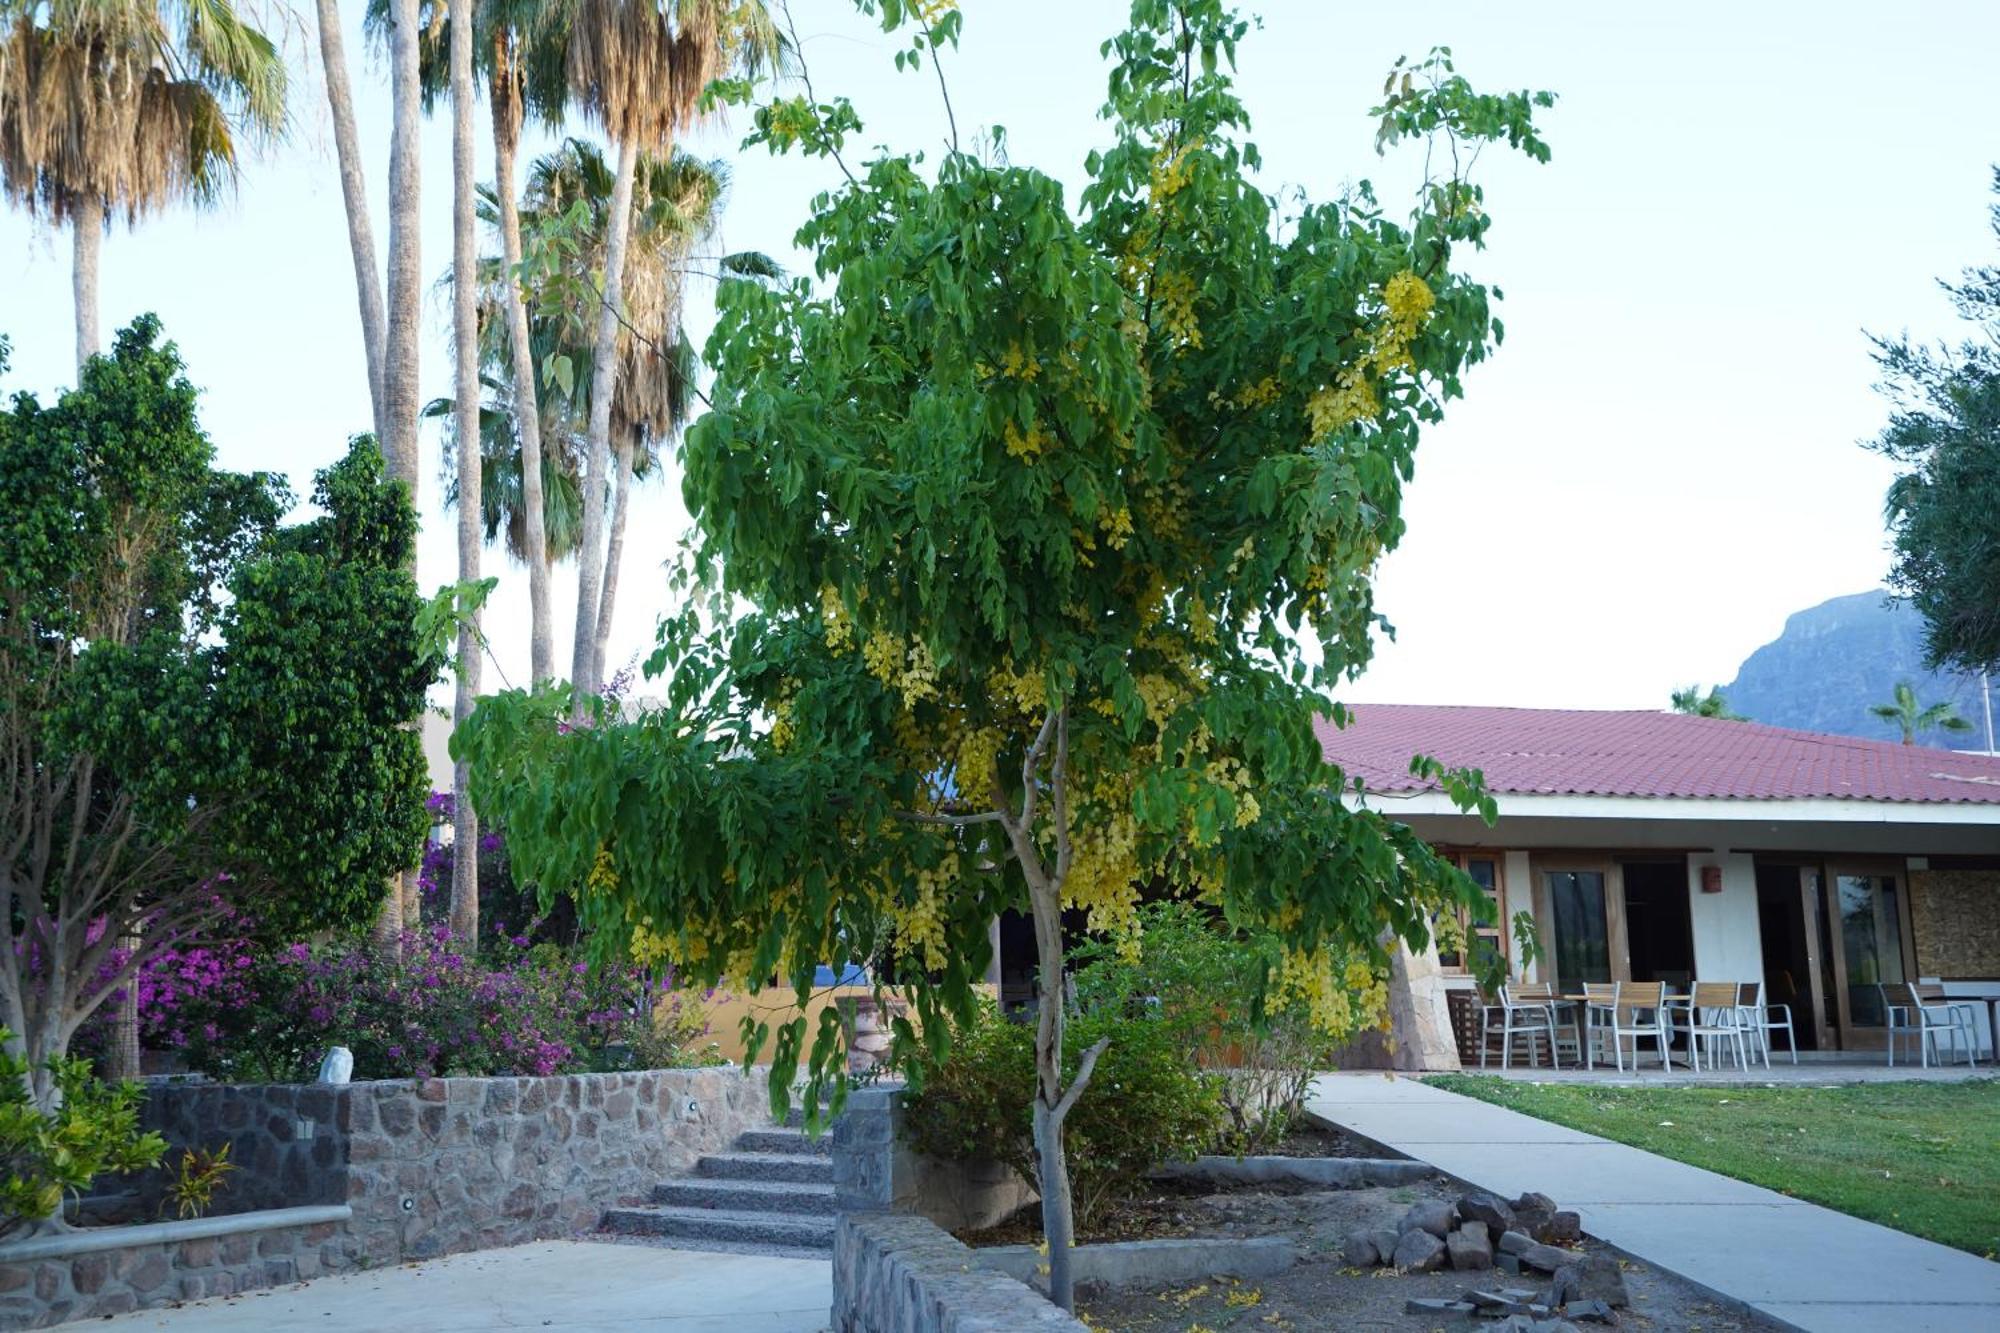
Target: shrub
[[1201, 978], [1148, 1103], [45, 1155], [202, 1172]]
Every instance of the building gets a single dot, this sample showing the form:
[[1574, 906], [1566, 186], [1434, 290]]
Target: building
[[1655, 846]]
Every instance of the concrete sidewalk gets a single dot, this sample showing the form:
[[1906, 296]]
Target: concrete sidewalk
[[569, 1286], [1813, 1268]]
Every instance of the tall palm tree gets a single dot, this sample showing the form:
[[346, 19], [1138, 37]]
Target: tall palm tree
[[1696, 704], [1914, 718], [676, 204], [126, 106], [465, 384], [639, 68]]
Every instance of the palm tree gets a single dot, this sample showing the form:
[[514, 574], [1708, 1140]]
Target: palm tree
[[465, 338], [1693, 702], [676, 204], [1914, 718], [639, 68], [126, 106]]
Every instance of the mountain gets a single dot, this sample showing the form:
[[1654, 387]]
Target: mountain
[[1836, 659]]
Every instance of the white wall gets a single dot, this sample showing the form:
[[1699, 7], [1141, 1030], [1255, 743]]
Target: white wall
[[1519, 883], [1728, 945]]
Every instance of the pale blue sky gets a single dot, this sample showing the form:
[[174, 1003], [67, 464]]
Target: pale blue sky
[[1658, 466]]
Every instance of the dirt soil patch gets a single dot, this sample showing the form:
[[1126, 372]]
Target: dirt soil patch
[[1311, 1139], [1322, 1293]]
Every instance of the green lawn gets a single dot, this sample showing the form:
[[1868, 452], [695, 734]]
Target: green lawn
[[1921, 1157]]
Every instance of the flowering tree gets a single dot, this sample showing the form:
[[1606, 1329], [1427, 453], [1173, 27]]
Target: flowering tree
[[1055, 528], [199, 710]]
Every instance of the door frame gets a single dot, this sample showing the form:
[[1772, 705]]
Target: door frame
[[1852, 1037], [1540, 867]]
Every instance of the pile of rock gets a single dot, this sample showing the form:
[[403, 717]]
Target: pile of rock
[[1484, 1231]]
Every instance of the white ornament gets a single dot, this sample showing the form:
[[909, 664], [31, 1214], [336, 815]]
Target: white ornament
[[338, 1067]]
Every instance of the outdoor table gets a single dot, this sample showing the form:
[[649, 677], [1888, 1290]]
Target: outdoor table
[[1580, 1003]]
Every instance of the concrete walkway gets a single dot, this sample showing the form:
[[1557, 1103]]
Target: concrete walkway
[[572, 1286], [1813, 1268]]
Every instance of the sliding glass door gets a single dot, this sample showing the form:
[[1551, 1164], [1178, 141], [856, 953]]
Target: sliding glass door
[[1582, 945], [1869, 909]]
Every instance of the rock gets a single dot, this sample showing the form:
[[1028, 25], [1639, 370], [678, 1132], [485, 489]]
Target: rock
[[1359, 1250], [1385, 1244], [1508, 1263], [1546, 1258], [1500, 1302], [1590, 1277], [1432, 1215], [1516, 1242], [1591, 1312], [1470, 1248], [1532, 1211], [1479, 1206], [1435, 1308], [1564, 1227], [1419, 1252]]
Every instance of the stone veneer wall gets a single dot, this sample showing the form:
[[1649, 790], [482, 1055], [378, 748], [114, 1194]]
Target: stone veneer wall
[[874, 1170], [899, 1273], [428, 1167]]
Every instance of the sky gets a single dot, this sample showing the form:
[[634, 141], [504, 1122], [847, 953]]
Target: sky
[[1660, 464]]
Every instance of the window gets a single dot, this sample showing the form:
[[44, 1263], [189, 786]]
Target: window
[[1871, 935], [1482, 940], [1583, 939]]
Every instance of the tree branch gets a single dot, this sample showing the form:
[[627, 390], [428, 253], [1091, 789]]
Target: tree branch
[[1084, 1070], [952, 821]]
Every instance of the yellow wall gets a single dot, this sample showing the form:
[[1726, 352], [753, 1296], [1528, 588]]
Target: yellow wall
[[777, 1007]]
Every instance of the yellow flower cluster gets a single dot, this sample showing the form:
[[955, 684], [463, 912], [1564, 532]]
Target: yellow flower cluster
[[1172, 170], [930, 11], [1407, 302], [919, 925], [882, 654], [1350, 398], [1174, 293], [1028, 446], [839, 625], [978, 760], [1337, 1005], [1018, 363], [1261, 394], [603, 876], [782, 732], [1117, 526], [1230, 775]]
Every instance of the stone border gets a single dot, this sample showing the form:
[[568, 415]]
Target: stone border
[[1335, 1173], [875, 1171], [91, 1240], [898, 1273], [1150, 1263]]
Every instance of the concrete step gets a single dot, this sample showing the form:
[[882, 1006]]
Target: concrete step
[[788, 1141], [720, 1224], [747, 1196], [809, 1168]]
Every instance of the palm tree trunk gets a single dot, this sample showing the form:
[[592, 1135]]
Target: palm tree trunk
[[527, 409], [603, 382], [87, 223], [122, 1060], [354, 194], [399, 343], [614, 553], [400, 388], [465, 343]]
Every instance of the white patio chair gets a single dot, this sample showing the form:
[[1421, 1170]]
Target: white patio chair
[[1600, 1002], [1761, 1020], [1715, 1017], [1964, 1013], [1525, 1010], [1640, 1013], [1906, 1014]]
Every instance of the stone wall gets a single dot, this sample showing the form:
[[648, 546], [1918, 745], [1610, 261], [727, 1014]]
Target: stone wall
[[427, 1167], [875, 1171], [898, 1273]]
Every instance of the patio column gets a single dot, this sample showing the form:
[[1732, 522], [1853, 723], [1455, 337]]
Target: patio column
[[1728, 939]]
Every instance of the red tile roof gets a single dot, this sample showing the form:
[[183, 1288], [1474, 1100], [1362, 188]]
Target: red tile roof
[[1570, 752]]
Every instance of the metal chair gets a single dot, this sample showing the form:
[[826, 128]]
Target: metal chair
[[1525, 1010], [1964, 1013], [1905, 1013], [1600, 1002], [1761, 1020], [1640, 1012], [1715, 1015]]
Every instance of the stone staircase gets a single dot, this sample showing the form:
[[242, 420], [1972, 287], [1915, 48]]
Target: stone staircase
[[772, 1194]]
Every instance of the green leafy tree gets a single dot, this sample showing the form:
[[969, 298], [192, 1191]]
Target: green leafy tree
[[1020, 532], [1913, 718], [50, 1151], [1944, 508], [203, 710], [1696, 704]]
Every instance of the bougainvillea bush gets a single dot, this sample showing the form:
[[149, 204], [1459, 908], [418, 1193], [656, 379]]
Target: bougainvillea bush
[[430, 1007]]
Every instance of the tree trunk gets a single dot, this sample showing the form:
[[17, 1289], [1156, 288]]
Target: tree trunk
[[603, 382], [527, 409], [614, 552], [87, 222], [400, 387], [354, 194], [465, 343]]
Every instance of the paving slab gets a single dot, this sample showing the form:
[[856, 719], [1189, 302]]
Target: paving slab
[[569, 1286], [1807, 1266]]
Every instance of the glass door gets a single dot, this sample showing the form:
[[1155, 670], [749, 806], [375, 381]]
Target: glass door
[[1582, 927], [1871, 942]]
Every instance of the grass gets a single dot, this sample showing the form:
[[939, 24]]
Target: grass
[[1921, 1157]]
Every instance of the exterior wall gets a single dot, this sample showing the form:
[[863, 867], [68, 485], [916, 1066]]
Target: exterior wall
[[1728, 942], [426, 1167], [1518, 883]]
